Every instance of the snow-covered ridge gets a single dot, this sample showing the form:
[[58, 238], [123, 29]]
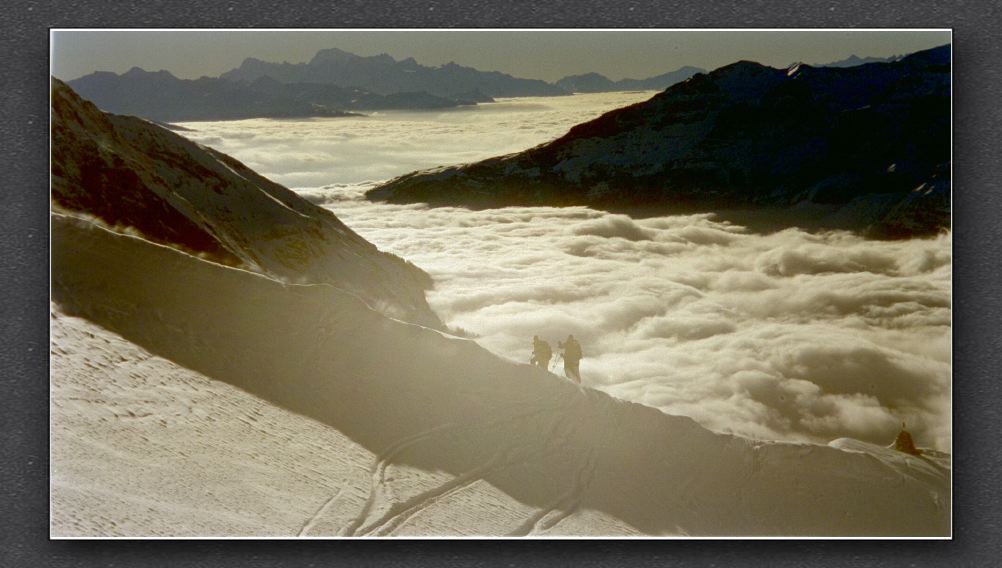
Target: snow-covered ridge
[[453, 439], [135, 175]]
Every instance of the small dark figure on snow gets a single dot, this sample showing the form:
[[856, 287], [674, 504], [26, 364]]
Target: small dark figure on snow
[[904, 442], [572, 356], [541, 352]]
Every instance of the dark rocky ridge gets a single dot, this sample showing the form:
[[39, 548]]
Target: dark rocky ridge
[[865, 148], [132, 175]]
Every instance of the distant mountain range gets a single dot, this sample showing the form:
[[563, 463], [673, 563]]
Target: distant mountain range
[[864, 147], [383, 74], [854, 60], [162, 96], [336, 83], [333, 83]]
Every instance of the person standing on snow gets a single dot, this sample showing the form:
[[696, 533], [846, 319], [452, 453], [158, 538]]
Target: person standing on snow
[[904, 442], [541, 352], [572, 356]]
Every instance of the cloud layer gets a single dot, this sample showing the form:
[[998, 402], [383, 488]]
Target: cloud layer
[[314, 152], [787, 336], [791, 336]]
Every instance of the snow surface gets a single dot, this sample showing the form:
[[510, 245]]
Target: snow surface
[[197, 399]]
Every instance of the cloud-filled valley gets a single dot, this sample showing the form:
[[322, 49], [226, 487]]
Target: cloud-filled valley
[[315, 152], [789, 335]]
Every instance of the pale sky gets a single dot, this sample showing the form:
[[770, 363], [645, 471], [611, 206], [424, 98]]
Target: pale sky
[[547, 55]]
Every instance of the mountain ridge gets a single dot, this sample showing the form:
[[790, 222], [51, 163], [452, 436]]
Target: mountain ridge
[[137, 177], [159, 95], [382, 74], [865, 148], [332, 83]]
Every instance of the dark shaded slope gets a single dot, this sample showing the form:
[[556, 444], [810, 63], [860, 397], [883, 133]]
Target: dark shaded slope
[[864, 148], [136, 176], [87, 178]]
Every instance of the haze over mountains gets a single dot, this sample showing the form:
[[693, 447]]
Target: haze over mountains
[[854, 60], [336, 83], [384, 74], [596, 83], [864, 148], [332, 83], [162, 96]]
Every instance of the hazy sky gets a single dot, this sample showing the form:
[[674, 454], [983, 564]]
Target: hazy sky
[[547, 55]]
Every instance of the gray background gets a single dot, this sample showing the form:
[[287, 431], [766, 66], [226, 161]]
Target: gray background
[[24, 250]]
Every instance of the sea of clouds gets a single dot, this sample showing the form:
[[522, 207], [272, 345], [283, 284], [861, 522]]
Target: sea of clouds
[[320, 151], [790, 335]]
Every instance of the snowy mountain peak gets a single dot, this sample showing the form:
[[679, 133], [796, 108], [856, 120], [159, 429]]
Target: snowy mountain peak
[[333, 55]]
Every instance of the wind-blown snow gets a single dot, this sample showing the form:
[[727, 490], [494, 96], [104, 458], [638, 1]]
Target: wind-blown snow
[[397, 428], [789, 336]]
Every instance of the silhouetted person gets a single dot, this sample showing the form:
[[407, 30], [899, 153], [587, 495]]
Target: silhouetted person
[[904, 442], [541, 352], [572, 356]]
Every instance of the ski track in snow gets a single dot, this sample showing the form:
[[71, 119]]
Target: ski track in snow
[[569, 502], [312, 521], [106, 391], [399, 513], [378, 474]]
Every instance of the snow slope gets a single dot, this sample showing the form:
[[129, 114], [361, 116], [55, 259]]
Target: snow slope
[[220, 401]]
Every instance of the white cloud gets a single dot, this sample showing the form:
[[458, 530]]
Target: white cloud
[[318, 151], [613, 226]]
